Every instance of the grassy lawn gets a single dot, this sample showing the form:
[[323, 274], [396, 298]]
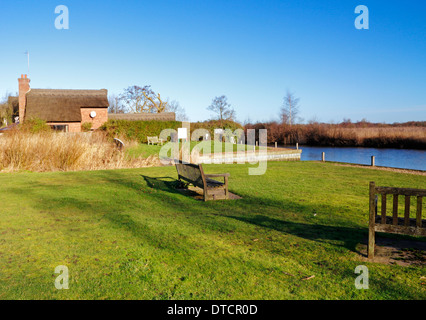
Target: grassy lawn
[[128, 234], [145, 150]]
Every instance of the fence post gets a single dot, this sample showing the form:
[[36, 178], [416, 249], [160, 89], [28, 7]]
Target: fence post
[[323, 156], [297, 146], [275, 144], [373, 161]]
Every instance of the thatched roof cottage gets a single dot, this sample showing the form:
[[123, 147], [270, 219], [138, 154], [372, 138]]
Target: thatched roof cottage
[[64, 110]]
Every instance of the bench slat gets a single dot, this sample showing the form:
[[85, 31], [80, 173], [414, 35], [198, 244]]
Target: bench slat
[[401, 191], [407, 211], [384, 208], [395, 209], [411, 231]]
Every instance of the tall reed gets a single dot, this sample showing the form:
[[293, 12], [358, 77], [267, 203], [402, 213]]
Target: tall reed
[[50, 151], [341, 135]]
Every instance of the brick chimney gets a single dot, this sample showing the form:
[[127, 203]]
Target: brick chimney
[[24, 87]]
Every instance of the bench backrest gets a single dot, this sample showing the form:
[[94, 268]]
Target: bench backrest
[[152, 139], [395, 224], [119, 143], [192, 173]]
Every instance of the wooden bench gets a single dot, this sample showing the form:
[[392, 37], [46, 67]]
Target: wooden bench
[[194, 174], [155, 140], [394, 224], [119, 144]]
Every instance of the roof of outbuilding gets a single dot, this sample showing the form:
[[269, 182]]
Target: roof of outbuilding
[[143, 116], [62, 105]]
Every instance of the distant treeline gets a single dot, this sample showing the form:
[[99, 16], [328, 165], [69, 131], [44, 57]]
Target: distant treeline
[[408, 135]]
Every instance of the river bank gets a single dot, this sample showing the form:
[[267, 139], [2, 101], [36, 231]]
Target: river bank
[[384, 157]]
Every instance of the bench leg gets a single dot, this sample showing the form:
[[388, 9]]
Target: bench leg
[[371, 242], [226, 188], [371, 222]]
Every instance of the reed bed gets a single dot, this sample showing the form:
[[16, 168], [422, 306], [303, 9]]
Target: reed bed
[[50, 151], [322, 134], [378, 137], [389, 132]]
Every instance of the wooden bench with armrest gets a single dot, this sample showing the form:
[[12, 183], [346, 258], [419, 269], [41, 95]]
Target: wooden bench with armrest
[[194, 174], [155, 140], [394, 224]]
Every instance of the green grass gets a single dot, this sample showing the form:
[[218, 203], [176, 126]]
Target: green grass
[[145, 150], [127, 234]]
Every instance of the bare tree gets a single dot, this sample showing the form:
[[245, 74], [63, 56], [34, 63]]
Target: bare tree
[[290, 109], [155, 103], [115, 105], [222, 108], [175, 107], [143, 99], [6, 110]]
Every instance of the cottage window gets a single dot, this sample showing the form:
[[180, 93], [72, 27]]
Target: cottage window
[[61, 128]]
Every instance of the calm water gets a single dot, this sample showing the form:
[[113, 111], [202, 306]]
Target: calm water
[[396, 158]]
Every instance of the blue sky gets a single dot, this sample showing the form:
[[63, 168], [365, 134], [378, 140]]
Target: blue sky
[[250, 51]]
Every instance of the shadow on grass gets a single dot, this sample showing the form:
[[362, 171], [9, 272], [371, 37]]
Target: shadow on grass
[[320, 233], [167, 184], [349, 236]]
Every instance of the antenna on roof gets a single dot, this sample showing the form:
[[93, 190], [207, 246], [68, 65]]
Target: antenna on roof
[[28, 58]]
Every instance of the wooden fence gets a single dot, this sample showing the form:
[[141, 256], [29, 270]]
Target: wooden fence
[[394, 224]]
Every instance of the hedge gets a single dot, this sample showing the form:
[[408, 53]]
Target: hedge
[[137, 130]]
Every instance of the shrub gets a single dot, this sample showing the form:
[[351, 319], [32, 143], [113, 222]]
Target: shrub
[[87, 126], [34, 125]]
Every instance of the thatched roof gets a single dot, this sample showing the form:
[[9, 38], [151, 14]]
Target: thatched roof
[[144, 116], [63, 105]]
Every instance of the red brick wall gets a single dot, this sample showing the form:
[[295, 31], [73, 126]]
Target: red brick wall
[[100, 119], [72, 126]]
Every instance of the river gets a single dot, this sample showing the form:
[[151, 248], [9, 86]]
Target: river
[[395, 158]]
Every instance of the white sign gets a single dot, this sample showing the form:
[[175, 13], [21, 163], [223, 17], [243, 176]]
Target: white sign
[[182, 133]]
